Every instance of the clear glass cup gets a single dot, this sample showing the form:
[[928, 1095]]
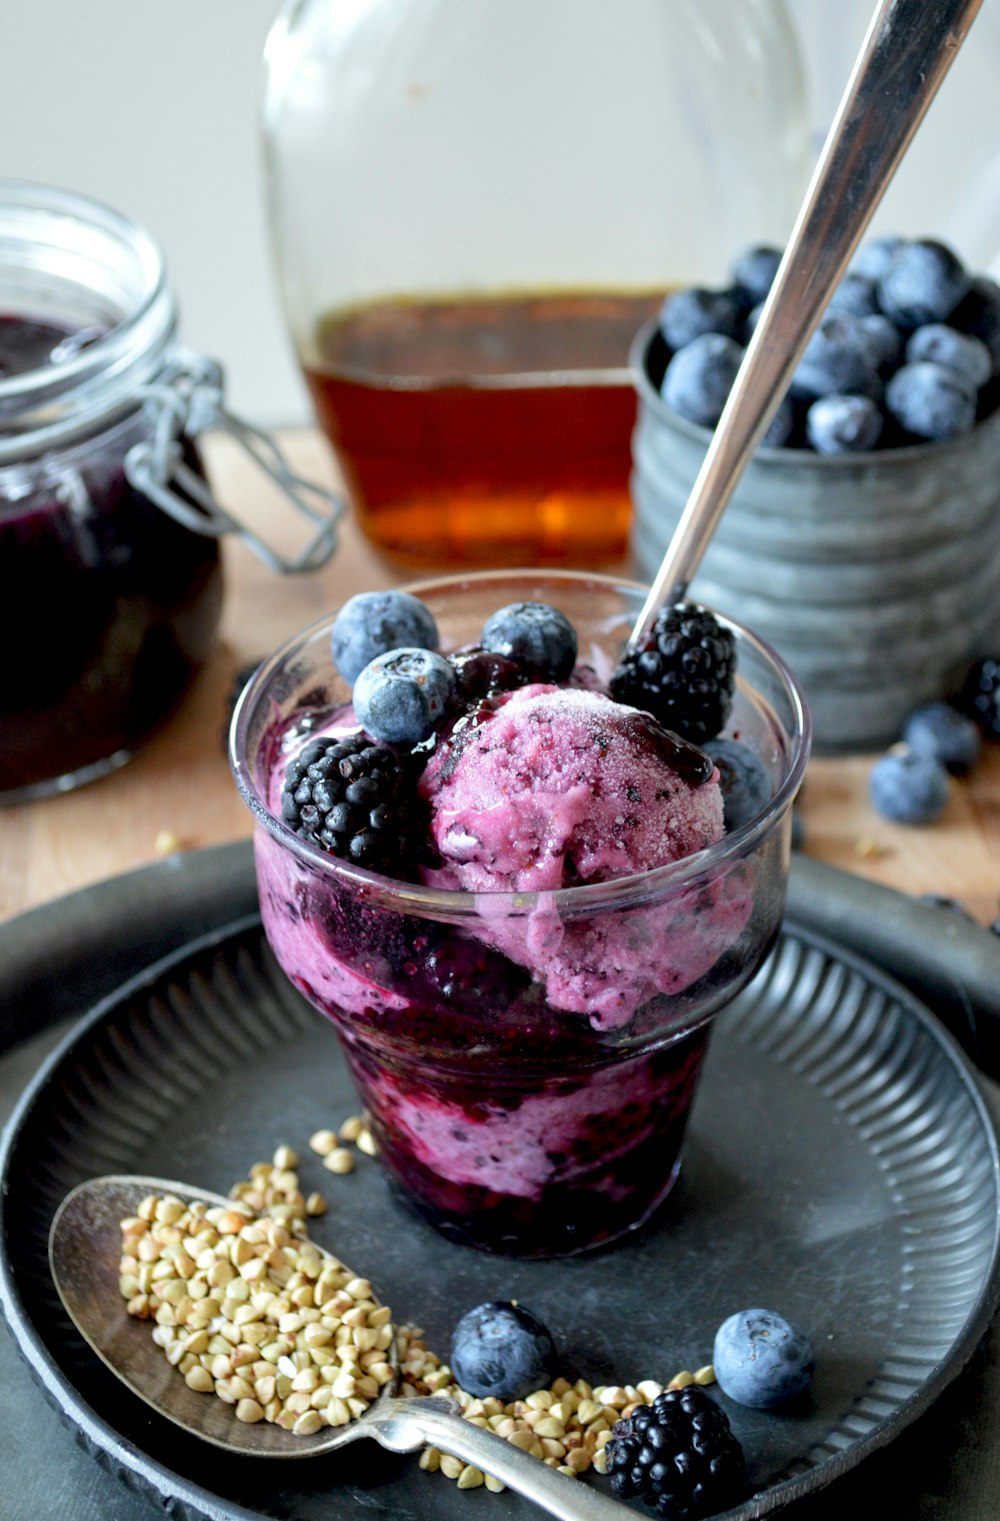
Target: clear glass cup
[[518, 1115]]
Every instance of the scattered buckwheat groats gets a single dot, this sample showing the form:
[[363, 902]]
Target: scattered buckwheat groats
[[329, 1144], [565, 1425], [247, 1308]]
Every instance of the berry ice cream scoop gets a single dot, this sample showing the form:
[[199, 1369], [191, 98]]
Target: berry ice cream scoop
[[557, 787], [552, 787]]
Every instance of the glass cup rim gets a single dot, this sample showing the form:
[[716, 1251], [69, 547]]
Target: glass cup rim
[[453, 904]]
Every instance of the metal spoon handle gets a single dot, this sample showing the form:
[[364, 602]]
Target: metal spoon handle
[[409, 1423], [908, 49]]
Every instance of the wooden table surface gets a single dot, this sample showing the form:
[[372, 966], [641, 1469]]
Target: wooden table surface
[[178, 793]]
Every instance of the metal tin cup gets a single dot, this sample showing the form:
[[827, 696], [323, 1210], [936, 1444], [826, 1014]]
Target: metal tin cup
[[874, 575]]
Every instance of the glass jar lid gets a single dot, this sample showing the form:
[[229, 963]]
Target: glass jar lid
[[73, 266], [102, 277]]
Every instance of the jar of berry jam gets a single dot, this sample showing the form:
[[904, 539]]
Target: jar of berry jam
[[110, 579]]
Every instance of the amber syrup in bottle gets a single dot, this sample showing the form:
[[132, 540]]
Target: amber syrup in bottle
[[485, 431]]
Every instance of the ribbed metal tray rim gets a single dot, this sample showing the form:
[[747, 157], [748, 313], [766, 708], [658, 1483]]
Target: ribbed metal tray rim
[[189, 1501]]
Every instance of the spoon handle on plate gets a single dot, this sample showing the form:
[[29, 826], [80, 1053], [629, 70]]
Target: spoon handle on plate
[[406, 1424], [908, 49]]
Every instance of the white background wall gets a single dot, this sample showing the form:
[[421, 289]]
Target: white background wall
[[152, 106]]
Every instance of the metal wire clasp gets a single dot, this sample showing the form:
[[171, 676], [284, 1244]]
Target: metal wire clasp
[[187, 401]]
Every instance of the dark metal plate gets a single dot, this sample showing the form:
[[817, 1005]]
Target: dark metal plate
[[841, 1167]]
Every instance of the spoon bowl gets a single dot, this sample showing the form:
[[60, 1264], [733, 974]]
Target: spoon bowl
[[84, 1249]]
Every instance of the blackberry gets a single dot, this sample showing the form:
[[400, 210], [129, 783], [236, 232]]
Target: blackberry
[[980, 696], [355, 800], [678, 1454], [683, 673]]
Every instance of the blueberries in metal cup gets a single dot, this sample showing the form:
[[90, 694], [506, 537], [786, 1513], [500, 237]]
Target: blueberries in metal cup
[[700, 376], [923, 282], [980, 695], [837, 358], [931, 401], [902, 304], [755, 270], [855, 295], [843, 424], [967, 356], [687, 314]]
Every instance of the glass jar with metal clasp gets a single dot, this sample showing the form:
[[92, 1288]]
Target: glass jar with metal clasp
[[110, 577]]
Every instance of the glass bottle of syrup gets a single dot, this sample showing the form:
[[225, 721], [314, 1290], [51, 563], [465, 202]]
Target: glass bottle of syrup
[[474, 207]]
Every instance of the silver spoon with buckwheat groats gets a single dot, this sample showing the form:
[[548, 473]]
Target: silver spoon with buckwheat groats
[[169, 1364]]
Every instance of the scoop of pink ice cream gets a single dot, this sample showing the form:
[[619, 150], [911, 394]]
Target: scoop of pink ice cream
[[560, 786], [557, 787]]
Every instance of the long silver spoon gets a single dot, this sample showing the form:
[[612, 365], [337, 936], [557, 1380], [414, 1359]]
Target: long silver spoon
[[908, 49], [84, 1248]]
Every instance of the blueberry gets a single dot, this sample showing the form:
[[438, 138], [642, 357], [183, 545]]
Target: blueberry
[[743, 300], [761, 1359], [751, 320], [967, 356], [538, 636], [755, 270], [947, 736], [400, 697], [924, 282], [838, 357], [884, 340], [907, 787], [872, 258], [743, 778], [501, 1349], [686, 314], [843, 424], [931, 401], [373, 623], [855, 295], [781, 426], [698, 378], [978, 314]]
